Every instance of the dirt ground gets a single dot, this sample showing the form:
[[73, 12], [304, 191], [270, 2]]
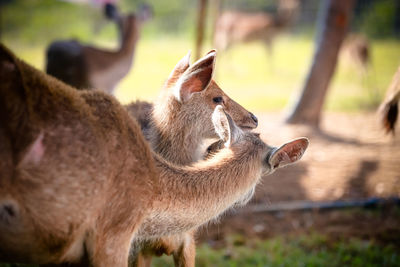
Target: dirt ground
[[349, 158]]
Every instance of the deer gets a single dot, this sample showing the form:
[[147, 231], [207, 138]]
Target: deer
[[173, 122], [81, 184], [357, 48], [85, 66], [234, 27], [389, 107]]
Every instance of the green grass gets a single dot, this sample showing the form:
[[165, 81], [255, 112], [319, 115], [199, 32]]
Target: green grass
[[313, 250], [305, 250], [248, 73]]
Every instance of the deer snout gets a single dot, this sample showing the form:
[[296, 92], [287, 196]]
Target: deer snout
[[254, 118], [248, 122]]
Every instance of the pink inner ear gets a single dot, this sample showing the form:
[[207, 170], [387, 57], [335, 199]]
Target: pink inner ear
[[296, 150], [282, 158], [193, 85], [35, 152]]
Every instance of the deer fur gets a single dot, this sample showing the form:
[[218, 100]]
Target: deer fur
[[234, 27], [79, 180], [173, 122], [235, 156], [86, 67], [389, 109]]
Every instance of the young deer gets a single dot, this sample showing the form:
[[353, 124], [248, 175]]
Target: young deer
[[389, 108], [176, 126], [237, 27], [227, 178], [85, 66], [80, 182]]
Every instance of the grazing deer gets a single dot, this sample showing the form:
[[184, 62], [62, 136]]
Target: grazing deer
[[389, 108], [237, 27], [80, 182], [175, 122], [85, 66]]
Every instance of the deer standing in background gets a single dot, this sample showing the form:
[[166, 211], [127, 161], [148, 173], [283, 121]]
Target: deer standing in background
[[174, 122], [358, 51], [389, 108], [79, 182], [236, 27], [86, 67]]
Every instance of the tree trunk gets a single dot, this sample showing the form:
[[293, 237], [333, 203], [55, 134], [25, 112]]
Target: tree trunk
[[201, 19], [332, 23], [216, 12]]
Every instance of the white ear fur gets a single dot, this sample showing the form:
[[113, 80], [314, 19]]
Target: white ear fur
[[225, 127], [196, 78], [288, 153], [221, 125], [179, 69]]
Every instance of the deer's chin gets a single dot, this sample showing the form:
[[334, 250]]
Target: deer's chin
[[246, 127]]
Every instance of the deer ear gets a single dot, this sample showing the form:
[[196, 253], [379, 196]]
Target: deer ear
[[224, 126], [35, 151], [196, 78], [288, 153], [179, 69]]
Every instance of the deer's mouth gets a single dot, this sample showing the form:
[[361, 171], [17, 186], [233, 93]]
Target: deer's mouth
[[247, 127]]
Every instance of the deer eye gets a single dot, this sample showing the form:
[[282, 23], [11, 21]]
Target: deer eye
[[218, 99]]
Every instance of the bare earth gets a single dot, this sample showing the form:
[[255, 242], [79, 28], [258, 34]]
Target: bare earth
[[350, 158]]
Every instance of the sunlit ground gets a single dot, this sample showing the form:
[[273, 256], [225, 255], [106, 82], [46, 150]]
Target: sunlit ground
[[259, 81]]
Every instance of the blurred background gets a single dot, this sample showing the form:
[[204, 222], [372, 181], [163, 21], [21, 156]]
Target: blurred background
[[340, 206], [28, 27]]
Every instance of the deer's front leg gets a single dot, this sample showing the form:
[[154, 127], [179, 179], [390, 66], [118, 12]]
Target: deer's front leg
[[186, 254], [112, 245], [143, 260]]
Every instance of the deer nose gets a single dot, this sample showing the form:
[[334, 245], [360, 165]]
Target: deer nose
[[254, 118]]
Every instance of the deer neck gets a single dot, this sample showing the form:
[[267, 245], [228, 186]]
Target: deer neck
[[174, 136], [191, 196], [129, 35]]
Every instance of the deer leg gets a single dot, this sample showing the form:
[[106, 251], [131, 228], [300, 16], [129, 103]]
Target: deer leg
[[185, 256], [143, 260], [111, 248]]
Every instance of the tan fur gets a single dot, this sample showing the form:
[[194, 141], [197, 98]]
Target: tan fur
[[98, 188], [78, 196], [176, 130]]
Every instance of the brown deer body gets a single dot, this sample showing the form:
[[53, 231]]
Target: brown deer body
[[65, 157], [172, 123], [78, 180], [236, 27], [389, 108], [85, 66]]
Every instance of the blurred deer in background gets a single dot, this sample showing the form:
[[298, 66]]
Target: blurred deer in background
[[176, 127], [85, 66], [356, 49], [389, 108], [79, 182], [236, 27]]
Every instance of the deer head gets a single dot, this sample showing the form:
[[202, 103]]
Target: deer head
[[274, 157], [190, 96]]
